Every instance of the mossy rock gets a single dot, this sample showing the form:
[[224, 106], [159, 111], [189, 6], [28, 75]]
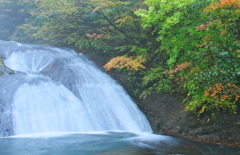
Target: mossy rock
[[10, 72], [1, 62]]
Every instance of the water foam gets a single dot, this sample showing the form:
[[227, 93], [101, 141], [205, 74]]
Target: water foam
[[59, 90]]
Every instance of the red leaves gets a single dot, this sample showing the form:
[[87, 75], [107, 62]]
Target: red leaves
[[178, 68], [223, 91]]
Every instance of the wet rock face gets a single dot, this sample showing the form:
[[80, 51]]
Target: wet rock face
[[3, 69], [4, 121], [4, 111], [166, 114]]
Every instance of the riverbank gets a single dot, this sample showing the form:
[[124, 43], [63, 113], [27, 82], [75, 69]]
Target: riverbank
[[167, 115], [205, 140]]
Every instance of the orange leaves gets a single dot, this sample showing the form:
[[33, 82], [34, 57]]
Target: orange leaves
[[223, 91], [200, 46], [222, 4], [123, 20], [223, 32], [95, 35], [91, 35], [212, 6], [204, 26], [224, 96], [232, 3], [178, 68], [205, 40], [125, 62]]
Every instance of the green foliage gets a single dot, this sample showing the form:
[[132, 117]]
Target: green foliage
[[155, 80], [100, 25], [208, 40], [1, 61], [188, 46], [10, 17]]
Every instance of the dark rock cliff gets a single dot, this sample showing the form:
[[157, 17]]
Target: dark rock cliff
[[166, 115]]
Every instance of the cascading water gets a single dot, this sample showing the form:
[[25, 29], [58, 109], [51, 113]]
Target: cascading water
[[58, 90]]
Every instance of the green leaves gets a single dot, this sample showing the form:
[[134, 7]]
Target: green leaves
[[209, 41], [188, 46]]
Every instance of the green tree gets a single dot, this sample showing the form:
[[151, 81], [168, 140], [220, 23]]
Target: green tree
[[103, 25], [10, 17], [201, 40], [189, 46]]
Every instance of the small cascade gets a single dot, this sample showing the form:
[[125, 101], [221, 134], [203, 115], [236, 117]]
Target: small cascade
[[58, 90]]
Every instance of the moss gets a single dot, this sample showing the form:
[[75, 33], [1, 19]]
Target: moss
[[10, 72], [1, 62]]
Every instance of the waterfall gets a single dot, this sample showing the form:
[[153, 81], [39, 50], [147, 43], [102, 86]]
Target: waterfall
[[59, 90]]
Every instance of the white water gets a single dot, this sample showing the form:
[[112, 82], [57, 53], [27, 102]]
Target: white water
[[58, 90]]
